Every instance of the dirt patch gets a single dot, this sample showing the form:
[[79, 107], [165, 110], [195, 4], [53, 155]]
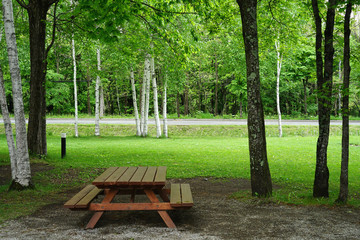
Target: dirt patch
[[5, 171], [214, 216]]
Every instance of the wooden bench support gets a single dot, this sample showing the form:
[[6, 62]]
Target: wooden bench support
[[83, 198], [180, 196]]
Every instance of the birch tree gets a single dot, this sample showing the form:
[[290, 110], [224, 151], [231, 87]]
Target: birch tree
[[22, 177], [143, 96], [279, 61], [75, 86], [165, 127], [147, 95], [136, 112], [97, 95], [156, 106]]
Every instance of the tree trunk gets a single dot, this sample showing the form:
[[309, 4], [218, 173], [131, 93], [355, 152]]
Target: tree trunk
[[143, 96], [75, 87], [343, 194], [97, 96], [23, 174], [186, 101], [279, 61], [117, 93], [324, 82], [7, 126], [37, 11], [305, 81], [147, 95], [178, 104], [260, 173], [216, 87], [165, 127], [136, 112], [102, 100], [88, 80], [156, 106]]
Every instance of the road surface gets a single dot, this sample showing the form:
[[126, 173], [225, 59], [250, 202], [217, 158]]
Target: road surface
[[192, 121]]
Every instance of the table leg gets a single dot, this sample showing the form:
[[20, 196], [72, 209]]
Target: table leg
[[163, 214], [109, 196]]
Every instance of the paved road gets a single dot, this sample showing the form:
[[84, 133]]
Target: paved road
[[193, 121]]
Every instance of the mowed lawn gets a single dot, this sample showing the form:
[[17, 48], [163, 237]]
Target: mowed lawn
[[291, 160]]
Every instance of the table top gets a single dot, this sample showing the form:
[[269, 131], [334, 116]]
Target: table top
[[135, 177]]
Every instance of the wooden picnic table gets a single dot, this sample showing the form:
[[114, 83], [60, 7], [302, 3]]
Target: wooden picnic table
[[132, 181]]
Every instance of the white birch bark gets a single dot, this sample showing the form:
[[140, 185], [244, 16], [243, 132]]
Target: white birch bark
[[7, 126], [23, 173], [117, 97], [102, 102], [136, 112], [165, 127], [147, 95], [143, 95], [156, 106], [75, 87], [97, 96], [279, 61]]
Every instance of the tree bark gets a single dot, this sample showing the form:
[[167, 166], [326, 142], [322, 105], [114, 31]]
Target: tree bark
[[36, 136], [260, 173], [156, 106], [75, 87], [147, 95], [97, 95], [165, 126], [344, 182], [136, 112], [279, 61], [22, 178], [216, 87], [143, 96], [324, 82], [88, 80]]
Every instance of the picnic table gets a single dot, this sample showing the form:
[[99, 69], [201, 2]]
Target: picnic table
[[132, 181]]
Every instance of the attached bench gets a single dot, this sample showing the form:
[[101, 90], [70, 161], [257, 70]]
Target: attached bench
[[82, 199], [180, 196]]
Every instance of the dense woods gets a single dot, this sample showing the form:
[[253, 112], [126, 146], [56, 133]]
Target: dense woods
[[202, 55]]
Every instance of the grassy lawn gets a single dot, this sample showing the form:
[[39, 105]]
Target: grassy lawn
[[219, 151]]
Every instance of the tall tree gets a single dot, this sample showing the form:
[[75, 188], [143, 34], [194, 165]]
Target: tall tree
[[137, 120], [324, 74], [37, 12], [22, 178], [260, 173], [279, 62], [156, 106], [343, 194], [97, 94]]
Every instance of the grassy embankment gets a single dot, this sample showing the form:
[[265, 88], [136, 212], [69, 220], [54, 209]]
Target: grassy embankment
[[191, 151]]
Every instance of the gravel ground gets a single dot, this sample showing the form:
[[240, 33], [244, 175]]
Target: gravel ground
[[214, 216]]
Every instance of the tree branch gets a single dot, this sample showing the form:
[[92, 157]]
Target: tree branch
[[23, 4], [53, 32], [161, 11]]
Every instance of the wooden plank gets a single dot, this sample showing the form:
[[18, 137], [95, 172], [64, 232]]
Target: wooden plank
[[160, 177], [149, 176], [75, 199], [186, 196], [101, 179], [130, 206], [138, 175], [125, 178], [115, 176], [175, 195], [85, 201]]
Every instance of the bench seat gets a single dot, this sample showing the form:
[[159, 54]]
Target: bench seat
[[180, 196], [82, 199]]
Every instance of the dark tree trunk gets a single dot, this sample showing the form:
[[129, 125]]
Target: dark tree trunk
[[37, 11], [186, 101], [305, 81], [260, 173], [343, 194], [324, 83], [178, 104], [216, 87]]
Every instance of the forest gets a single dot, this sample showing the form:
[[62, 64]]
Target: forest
[[198, 53]]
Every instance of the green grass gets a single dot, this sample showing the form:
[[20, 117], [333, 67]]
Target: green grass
[[212, 151]]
